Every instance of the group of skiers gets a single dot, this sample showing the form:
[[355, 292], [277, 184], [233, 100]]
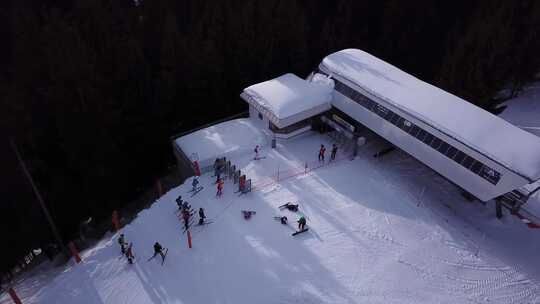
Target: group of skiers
[[333, 152], [186, 212]]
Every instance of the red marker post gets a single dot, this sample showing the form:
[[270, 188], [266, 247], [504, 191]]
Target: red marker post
[[197, 168], [14, 296], [189, 239], [115, 222], [159, 187], [74, 252]]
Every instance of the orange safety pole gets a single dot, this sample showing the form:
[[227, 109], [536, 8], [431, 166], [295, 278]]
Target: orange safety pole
[[74, 252], [14, 296], [189, 238]]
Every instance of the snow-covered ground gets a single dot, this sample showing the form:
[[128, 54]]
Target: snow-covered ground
[[384, 230]]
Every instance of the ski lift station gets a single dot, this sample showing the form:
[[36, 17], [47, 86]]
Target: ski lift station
[[352, 92]]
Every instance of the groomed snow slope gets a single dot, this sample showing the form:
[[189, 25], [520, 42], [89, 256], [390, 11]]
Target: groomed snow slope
[[389, 231]]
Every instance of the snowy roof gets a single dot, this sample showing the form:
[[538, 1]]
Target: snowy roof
[[224, 139], [289, 99], [517, 150]]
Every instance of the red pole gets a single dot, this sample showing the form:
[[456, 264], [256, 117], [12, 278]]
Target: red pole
[[189, 238], [116, 224], [74, 252], [14, 296]]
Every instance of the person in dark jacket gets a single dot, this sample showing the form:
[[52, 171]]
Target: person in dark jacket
[[334, 151], [301, 223], [202, 216]]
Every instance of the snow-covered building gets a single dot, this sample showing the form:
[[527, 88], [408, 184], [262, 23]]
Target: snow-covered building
[[284, 106], [471, 147]]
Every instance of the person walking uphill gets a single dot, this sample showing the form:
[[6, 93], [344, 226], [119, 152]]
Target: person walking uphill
[[129, 253], [322, 150]]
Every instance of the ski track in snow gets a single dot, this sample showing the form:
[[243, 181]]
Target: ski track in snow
[[381, 231]]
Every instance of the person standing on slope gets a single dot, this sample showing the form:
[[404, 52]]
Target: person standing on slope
[[185, 217], [195, 183], [219, 188], [322, 150], [333, 152], [301, 223], [256, 150], [158, 249], [129, 253], [122, 243], [202, 216]]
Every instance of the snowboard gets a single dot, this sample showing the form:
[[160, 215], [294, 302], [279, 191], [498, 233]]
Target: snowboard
[[196, 191], [298, 232], [164, 256]]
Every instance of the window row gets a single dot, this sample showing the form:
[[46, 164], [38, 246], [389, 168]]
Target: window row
[[422, 135]]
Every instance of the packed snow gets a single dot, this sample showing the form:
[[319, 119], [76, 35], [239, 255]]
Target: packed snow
[[384, 230], [289, 99], [450, 114]]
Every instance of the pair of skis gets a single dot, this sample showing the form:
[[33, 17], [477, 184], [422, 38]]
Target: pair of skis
[[193, 193], [163, 257]]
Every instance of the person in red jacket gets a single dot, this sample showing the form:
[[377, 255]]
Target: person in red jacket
[[219, 188], [322, 150]]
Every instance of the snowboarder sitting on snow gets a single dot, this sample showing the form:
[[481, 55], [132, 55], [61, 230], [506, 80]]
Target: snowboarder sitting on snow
[[301, 223], [195, 183], [321, 153], [334, 151], [202, 216], [129, 253], [122, 243], [158, 249]]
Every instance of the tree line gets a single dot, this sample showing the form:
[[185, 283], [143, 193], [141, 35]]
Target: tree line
[[92, 90]]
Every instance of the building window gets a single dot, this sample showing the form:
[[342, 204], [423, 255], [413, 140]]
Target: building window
[[260, 116]]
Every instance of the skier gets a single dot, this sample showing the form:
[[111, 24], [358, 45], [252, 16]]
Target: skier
[[179, 202], [122, 243], [129, 253], [301, 223], [334, 151], [158, 249], [185, 217], [186, 206], [202, 216], [256, 150], [283, 220], [219, 188], [321, 153], [195, 183]]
